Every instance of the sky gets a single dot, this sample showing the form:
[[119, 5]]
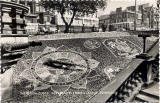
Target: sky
[[113, 4]]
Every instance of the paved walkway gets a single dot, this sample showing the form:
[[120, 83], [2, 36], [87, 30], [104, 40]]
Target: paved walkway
[[78, 35]]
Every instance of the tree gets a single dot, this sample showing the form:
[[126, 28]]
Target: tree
[[76, 7]]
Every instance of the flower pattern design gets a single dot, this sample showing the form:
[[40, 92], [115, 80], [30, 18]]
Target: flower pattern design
[[104, 64]]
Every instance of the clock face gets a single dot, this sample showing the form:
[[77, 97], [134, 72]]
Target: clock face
[[60, 67]]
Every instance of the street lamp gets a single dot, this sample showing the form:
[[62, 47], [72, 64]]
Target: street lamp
[[135, 16], [157, 19]]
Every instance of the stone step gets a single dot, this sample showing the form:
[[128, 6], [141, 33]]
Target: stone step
[[143, 98], [153, 90], [149, 95]]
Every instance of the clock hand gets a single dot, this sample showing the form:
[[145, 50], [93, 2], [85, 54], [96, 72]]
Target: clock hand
[[68, 64], [61, 65]]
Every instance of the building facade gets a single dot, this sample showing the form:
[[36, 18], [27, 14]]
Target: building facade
[[53, 21], [84, 23], [125, 19], [120, 19]]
